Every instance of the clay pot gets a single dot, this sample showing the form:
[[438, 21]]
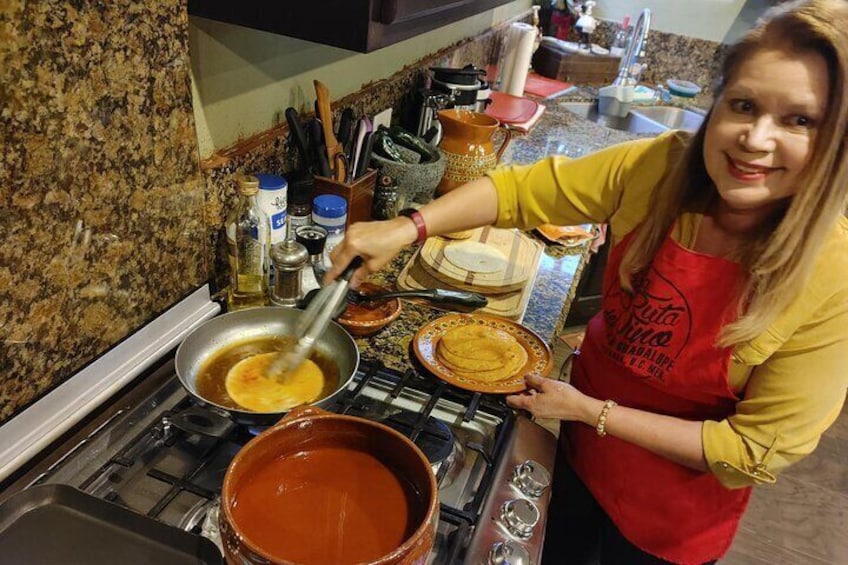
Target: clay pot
[[368, 318], [467, 146], [321, 487]]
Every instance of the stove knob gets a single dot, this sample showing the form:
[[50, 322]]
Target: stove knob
[[508, 553], [519, 517], [531, 478]]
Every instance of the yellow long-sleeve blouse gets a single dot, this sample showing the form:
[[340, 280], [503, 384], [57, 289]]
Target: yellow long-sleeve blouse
[[792, 379]]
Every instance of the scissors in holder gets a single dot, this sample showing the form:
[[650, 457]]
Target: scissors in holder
[[345, 166]]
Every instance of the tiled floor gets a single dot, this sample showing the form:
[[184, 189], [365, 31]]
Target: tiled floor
[[800, 520]]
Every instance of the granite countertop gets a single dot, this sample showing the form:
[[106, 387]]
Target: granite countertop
[[558, 132]]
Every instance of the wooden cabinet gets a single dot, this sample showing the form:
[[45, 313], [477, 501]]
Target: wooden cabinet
[[358, 25]]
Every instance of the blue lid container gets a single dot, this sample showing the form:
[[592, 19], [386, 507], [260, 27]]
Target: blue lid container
[[329, 206], [271, 182], [273, 199]]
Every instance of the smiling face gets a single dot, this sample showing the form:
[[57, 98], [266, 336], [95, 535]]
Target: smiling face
[[762, 130]]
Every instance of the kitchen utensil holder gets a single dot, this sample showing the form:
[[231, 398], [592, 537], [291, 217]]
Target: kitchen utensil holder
[[359, 194]]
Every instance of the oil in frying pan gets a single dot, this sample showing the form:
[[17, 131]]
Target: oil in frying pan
[[211, 378]]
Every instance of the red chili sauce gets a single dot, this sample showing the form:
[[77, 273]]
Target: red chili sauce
[[327, 505]]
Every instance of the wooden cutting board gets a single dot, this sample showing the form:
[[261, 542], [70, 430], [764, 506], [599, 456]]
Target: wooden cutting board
[[509, 109], [510, 305], [520, 251]]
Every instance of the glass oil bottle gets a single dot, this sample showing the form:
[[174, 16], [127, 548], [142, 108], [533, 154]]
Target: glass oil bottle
[[248, 237]]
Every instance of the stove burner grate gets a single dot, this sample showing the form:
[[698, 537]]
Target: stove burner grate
[[434, 438]]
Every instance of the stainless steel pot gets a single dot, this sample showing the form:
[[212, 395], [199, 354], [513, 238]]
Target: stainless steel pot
[[222, 331]]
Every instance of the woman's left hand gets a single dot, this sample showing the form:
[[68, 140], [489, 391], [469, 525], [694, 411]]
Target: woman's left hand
[[549, 398]]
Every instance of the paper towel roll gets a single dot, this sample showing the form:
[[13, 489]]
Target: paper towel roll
[[507, 59], [515, 62]]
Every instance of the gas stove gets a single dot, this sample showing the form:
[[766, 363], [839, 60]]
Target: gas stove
[[156, 451]]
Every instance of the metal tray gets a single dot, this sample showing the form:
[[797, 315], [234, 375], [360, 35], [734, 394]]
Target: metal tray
[[59, 524]]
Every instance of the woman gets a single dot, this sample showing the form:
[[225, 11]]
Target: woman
[[718, 357]]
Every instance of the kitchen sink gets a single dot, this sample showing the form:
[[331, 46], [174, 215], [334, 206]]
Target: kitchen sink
[[647, 119], [671, 116]]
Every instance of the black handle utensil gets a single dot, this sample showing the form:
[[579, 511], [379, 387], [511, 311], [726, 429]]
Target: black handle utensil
[[346, 130], [316, 136], [299, 137], [435, 295], [365, 156]]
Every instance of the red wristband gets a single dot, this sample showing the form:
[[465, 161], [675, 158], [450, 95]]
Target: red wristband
[[418, 220]]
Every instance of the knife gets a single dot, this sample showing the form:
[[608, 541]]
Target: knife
[[322, 97], [362, 128], [299, 137], [322, 166], [346, 129], [365, 156]]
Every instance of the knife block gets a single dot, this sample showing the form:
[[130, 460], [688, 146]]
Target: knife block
[[359, 194]]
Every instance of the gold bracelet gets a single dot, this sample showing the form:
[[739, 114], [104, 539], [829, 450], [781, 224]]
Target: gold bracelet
[[602, 417]]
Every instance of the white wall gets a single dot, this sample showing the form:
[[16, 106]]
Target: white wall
[[705, 19], [244, 79]]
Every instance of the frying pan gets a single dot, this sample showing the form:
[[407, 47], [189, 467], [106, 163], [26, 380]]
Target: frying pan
[[222, 331]]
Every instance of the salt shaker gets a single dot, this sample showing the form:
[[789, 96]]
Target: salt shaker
[[289, 258]]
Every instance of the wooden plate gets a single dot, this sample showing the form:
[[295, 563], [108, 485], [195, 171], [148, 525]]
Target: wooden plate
[[519, 249], [539, 359]]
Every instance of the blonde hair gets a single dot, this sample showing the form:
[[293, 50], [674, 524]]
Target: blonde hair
[[780, 258]]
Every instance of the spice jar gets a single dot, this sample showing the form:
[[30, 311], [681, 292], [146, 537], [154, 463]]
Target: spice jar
[[272, 198], [300, 202], [330, 212], [388, 200]]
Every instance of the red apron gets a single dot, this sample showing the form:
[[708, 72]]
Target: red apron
[[655, 350]]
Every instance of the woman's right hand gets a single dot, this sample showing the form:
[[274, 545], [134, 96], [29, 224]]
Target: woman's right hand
[[468, 206], [376, 242]]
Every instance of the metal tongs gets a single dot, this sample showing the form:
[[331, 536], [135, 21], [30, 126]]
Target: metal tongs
[[312, 323]]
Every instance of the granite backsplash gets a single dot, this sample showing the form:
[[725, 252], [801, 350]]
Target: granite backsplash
[[668, 55], [107, 216], [101, 196]]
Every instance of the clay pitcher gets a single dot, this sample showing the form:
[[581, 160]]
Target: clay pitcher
[[467, 146]]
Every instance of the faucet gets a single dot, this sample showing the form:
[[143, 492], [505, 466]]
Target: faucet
[[634, 50], [615, 99]]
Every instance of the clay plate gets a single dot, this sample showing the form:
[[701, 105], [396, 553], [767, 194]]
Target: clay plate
[[539, 359], [567, 236]]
